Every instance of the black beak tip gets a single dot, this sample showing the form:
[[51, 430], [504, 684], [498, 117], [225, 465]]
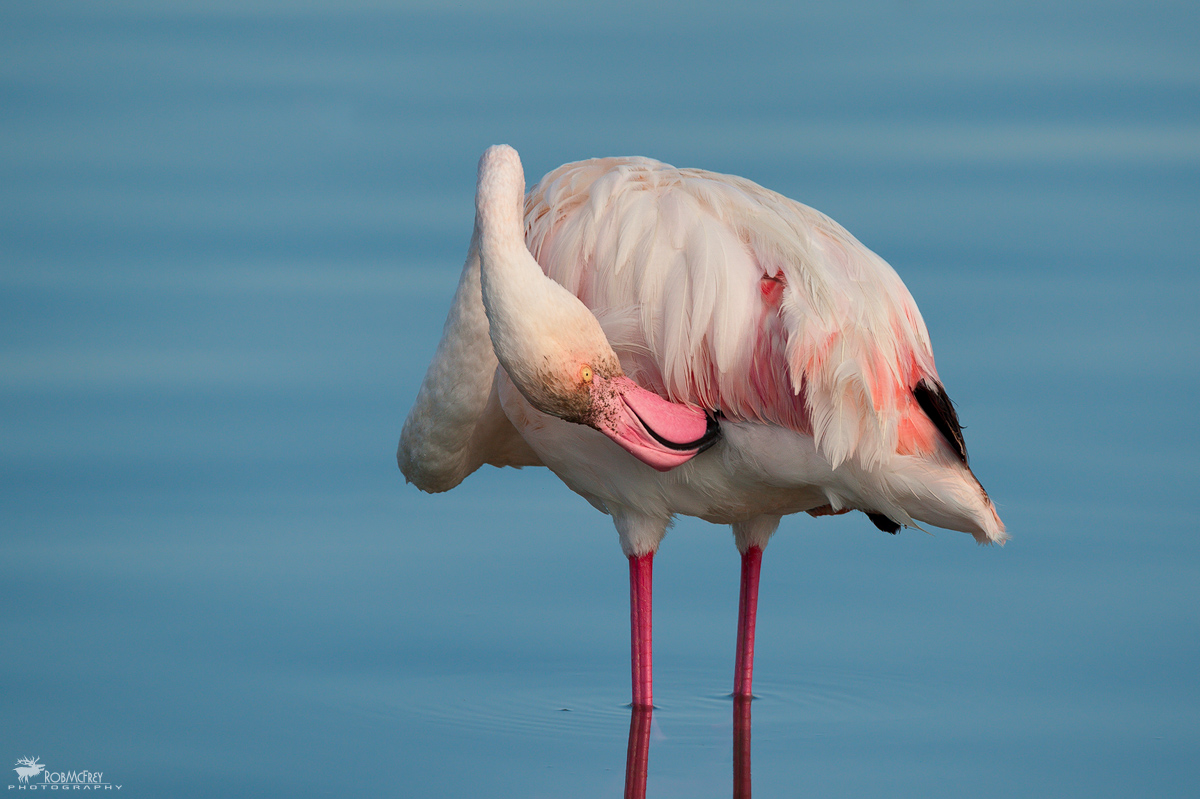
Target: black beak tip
[[712, 432]]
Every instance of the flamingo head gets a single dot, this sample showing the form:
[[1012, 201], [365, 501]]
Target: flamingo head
[[658, 432]]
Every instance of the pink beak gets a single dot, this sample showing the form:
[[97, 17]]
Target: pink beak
[[659, 433]]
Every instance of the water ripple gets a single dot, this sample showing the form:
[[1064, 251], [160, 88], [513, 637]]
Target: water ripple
[[585, 703]]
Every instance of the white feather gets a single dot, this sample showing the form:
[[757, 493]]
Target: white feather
[[814, 384]]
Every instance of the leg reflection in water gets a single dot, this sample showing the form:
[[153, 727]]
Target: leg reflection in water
[[637, 757], [741, 747]]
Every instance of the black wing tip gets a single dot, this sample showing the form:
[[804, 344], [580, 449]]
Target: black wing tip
[[883, 522], [932, 398]]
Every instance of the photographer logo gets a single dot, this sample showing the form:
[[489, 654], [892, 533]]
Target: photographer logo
[[28, 767]]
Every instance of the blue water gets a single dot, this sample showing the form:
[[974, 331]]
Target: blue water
[[229, 235]]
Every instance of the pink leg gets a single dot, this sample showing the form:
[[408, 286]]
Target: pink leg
[[640, 572], [747, 611]]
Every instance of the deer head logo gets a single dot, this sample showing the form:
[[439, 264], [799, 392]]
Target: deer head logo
[[28, 767]]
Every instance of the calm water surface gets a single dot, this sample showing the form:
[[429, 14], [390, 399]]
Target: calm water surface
[[229, 236]]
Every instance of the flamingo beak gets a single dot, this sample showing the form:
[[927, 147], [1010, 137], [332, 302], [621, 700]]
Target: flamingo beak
[[659, 433]]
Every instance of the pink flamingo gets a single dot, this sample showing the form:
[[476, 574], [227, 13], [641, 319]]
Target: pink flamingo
[[691, 343]]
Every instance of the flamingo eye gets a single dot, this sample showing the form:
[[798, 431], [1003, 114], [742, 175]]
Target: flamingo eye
[[585, 373]]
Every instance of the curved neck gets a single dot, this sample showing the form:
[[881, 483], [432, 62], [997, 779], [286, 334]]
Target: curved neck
[[539, 330], [500, 221]]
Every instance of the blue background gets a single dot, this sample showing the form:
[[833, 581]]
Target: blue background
[[229, 234]]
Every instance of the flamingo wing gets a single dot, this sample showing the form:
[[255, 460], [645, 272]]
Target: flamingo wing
[[717, 292]]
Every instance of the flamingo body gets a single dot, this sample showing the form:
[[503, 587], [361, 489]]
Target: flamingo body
[[688, 343]]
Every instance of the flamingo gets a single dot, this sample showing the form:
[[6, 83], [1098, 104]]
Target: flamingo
[[674, 341]]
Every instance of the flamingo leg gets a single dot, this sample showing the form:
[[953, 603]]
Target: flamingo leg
[[747, 612], [641, 569]]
